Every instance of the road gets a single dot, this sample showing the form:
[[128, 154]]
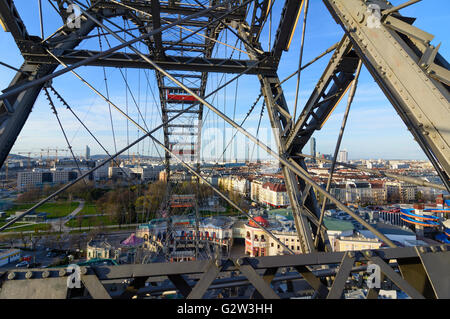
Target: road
[[38, 256], [59, 224], [70, 229]]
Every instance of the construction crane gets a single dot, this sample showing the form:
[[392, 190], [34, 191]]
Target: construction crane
[[54, 151], [29, 157]]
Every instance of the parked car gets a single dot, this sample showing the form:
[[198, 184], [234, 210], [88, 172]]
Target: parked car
[[22, 264]]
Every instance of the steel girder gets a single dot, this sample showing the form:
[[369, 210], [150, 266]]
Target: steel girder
[[15, 109], [420, 66], [327, 93], [180, 63], [286, 28], [189, 137], [199, 279], [302, 198], [337, 78], [180, 8], [11, 21], [407, 69], [260, 12]]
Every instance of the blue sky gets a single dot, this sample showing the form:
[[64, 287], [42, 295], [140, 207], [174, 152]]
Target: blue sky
[[373, 130]]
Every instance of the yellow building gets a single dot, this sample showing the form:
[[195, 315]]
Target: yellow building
[[99, 249], [356, 243]]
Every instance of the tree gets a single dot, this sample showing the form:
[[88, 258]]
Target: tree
[[75, 241], [60, 241], [24, 239], [60, 224], [34, 240], [90, 222], [31, 195], [10, 239], [79, 221], [419, 196]]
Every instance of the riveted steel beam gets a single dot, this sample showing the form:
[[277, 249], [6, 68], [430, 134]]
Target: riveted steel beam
[[181, 63], [281, 122], [176, 9], [326, 95], [421, 101], [11, 21], [288, 23]]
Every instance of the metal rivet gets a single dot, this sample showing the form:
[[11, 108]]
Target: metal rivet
[[45, 274], [360, 17], [240, 261], [11, 275], [83, 270], [62, 272], [29, 274]]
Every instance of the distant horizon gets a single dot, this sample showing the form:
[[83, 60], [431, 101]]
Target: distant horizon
[[220, 161]]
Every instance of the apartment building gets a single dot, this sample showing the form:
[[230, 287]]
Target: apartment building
[[400, 191], [270, 192], [38, 177], [274, 195], [356, 243], [236, 184]]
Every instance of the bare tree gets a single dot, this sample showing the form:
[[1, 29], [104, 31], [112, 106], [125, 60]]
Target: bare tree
[[60, 223], [59, 242], [75, 241], [80, 221], [11, 239], [24, 238], [34, 240]]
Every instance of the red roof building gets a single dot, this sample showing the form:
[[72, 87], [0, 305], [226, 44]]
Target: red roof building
[[260, 220]]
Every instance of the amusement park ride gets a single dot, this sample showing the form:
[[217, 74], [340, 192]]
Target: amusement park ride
[[409, 70]]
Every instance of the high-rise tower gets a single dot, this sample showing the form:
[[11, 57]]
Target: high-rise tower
[[313, 148]]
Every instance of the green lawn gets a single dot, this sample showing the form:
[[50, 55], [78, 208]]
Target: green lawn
[[3, 222], [106, 230], [89, 209], [94, 221], [54, 210], [34, 227], [104, 220]]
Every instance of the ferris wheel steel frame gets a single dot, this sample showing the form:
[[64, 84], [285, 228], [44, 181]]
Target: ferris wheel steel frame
[[399, 56]]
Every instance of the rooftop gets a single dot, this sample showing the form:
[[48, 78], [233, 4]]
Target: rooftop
[[99, 243], [337, 224]]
